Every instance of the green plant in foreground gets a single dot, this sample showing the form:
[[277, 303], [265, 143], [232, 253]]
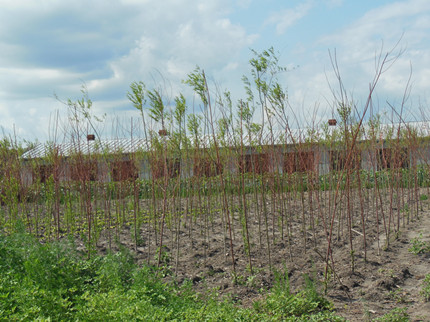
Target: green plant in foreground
[[396, 315], [398, 295], [52, 281], [307, 305], [425, 291], [419, 246]]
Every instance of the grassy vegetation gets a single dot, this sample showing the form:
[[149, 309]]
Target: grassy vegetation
[[425, 289], [418, 246], [396, 315], [52, 281]]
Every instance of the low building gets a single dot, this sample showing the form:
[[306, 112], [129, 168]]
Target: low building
[[320, 151]]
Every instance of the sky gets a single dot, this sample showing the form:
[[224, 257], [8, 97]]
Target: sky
[[49, 49]]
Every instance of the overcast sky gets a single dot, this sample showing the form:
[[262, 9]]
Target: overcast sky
[[53, 47]]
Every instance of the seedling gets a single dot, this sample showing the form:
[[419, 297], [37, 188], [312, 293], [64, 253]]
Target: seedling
[[418, 246]]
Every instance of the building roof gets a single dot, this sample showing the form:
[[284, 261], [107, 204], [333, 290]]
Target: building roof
[[292, 136], [125, 146]]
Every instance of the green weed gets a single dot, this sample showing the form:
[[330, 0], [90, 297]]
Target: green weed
[[425, 291], [418, 246], [53, 282], [396, 315]]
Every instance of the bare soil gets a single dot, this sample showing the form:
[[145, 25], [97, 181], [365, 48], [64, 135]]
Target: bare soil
[[390, 277]]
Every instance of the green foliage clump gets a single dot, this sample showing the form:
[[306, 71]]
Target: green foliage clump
[[425, 291], [396, 315], [418, 246], [307, 305], [52, 281]]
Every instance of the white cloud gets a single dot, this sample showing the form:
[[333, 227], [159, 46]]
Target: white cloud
[[386, 23], [288, 17], [334, 3], [204, 39], [359, 45], [107, 45], [55, 46], [27, 118], [243, 3]]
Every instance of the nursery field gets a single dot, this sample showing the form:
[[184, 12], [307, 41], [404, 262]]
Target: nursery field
[[224, 202], [367, 284], [368, 256]]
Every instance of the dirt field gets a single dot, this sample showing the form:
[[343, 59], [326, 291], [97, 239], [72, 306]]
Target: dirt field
[[390, 278]]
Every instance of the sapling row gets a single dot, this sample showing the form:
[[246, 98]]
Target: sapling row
[[232, 176]]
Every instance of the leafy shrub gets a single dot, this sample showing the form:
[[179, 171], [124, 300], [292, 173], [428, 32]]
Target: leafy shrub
[[419, 246], [307, 305], [396, 315], [52, 282], [115, 270], [425, 291]]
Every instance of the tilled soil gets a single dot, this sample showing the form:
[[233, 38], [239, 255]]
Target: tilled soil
[[390, 277]]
